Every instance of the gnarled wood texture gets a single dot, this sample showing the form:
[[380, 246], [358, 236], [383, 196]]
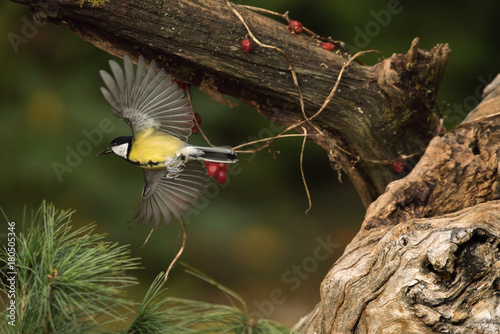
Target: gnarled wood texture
[[435, 275], [427, 259]]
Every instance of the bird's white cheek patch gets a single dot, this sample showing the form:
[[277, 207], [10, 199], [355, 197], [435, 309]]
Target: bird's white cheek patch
[[120, 150]]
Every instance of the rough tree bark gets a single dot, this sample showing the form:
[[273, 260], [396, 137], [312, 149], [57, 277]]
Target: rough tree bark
[[199, 43], [427, 256]]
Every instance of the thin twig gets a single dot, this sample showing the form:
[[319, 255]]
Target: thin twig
[[305, 29], [283, 16], [179, 253], [327, 101], [295, 81], [290, 65], [194, 118], [261, 140], [302, 170], [265, 11], [149, 235], [337, 82]]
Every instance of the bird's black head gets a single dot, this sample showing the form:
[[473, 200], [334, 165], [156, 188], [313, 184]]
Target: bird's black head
[[119, 146], [121, 140]]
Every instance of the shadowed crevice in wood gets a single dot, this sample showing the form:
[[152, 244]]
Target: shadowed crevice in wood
[[423, 276]]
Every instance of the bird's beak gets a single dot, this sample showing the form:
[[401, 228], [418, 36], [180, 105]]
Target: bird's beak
[[105, 151]]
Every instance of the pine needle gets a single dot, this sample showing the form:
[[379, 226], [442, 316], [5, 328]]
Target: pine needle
[[161, 314], [68, 280]]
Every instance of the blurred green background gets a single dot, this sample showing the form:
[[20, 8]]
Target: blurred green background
[[252, 234]]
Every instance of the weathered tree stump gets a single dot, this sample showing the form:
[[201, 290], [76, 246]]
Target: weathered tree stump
[[427, 259], [433, 275]]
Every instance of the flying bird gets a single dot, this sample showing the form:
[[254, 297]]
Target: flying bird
[[161, 119]]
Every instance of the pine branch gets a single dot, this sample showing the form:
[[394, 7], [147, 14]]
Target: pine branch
[[68, 280], [161, 314], [71, 281]]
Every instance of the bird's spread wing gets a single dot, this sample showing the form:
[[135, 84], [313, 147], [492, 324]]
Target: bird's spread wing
[[163, 197], [147, 98]]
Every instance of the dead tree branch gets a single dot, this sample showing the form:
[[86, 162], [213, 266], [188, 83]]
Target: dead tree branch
[[378, 113]]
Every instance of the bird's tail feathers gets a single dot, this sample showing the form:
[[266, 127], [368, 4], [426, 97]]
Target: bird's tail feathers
[[213, 154]]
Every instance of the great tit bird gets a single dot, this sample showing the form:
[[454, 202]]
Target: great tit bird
[[161, 119]]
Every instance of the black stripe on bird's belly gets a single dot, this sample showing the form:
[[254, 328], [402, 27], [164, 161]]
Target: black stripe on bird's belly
[[149, 164]]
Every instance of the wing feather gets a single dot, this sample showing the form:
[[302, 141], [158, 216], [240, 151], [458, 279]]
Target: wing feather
[[163, 198], [147, 98]]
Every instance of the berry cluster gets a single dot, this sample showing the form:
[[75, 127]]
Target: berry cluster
[[295, 27], [217, 170]]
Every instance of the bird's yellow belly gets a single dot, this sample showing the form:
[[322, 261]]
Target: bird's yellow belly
[[154, 149]]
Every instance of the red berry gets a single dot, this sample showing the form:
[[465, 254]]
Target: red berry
[[295, 27], [213, 169], [223, 166], [181, 85], [327, 46], [398, 166], [246, 45], [221, 177], [195, 129]]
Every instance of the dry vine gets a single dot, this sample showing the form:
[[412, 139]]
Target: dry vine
[[181, 250], [308, 120], [301, 99]]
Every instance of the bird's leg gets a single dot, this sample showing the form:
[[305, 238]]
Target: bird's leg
[[176, 166]]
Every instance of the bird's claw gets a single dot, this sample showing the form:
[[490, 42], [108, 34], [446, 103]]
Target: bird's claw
[[175, 167], [172, 175]]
